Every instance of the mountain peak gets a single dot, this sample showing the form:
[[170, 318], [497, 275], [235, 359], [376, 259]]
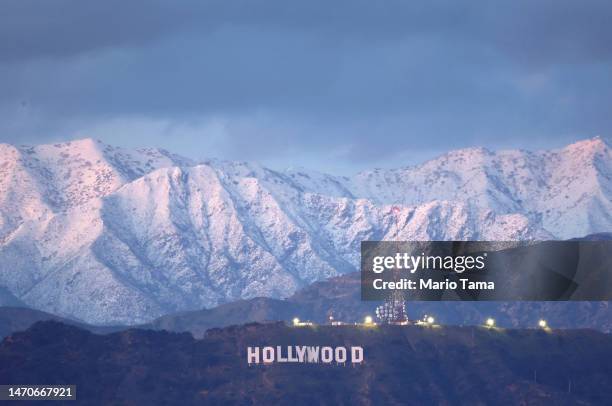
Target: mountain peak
[[80, 143], [594, 144]]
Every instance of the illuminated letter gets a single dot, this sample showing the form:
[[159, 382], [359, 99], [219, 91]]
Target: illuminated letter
[[268, 355], [327, 355], [313, 354], [301, 352], [356, 355], [290, 356], [279, 354], [253, 355], [340, 355]]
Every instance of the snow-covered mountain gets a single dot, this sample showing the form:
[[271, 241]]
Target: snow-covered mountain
[[109, 235]]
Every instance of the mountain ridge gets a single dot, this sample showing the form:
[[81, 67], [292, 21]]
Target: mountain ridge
[[109, 235]]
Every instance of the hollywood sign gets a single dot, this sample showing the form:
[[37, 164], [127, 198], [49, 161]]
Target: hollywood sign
[[304, 354]]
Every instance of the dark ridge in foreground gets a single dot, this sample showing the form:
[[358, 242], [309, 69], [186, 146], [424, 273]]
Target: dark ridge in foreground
[[14, 319], [340, 297], [403, 365]]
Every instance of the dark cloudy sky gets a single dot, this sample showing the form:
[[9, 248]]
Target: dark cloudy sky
[[333, 85]]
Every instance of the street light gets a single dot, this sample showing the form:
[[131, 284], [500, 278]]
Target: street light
[[296, 321], [490, 322], [430, 320], [367, 320], [542, 323]]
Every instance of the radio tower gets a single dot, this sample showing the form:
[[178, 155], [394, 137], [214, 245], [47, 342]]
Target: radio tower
[[393, 310]]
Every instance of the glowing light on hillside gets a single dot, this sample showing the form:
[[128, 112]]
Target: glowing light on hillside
[[296, 321], [430, 320], [368, 320], [542, 323], [490, 322]]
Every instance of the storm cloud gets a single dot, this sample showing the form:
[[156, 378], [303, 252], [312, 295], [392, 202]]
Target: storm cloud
[[332, 85]]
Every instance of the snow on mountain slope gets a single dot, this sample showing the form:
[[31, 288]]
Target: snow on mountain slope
[[38, 181], [570, 188], [108, 235]]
